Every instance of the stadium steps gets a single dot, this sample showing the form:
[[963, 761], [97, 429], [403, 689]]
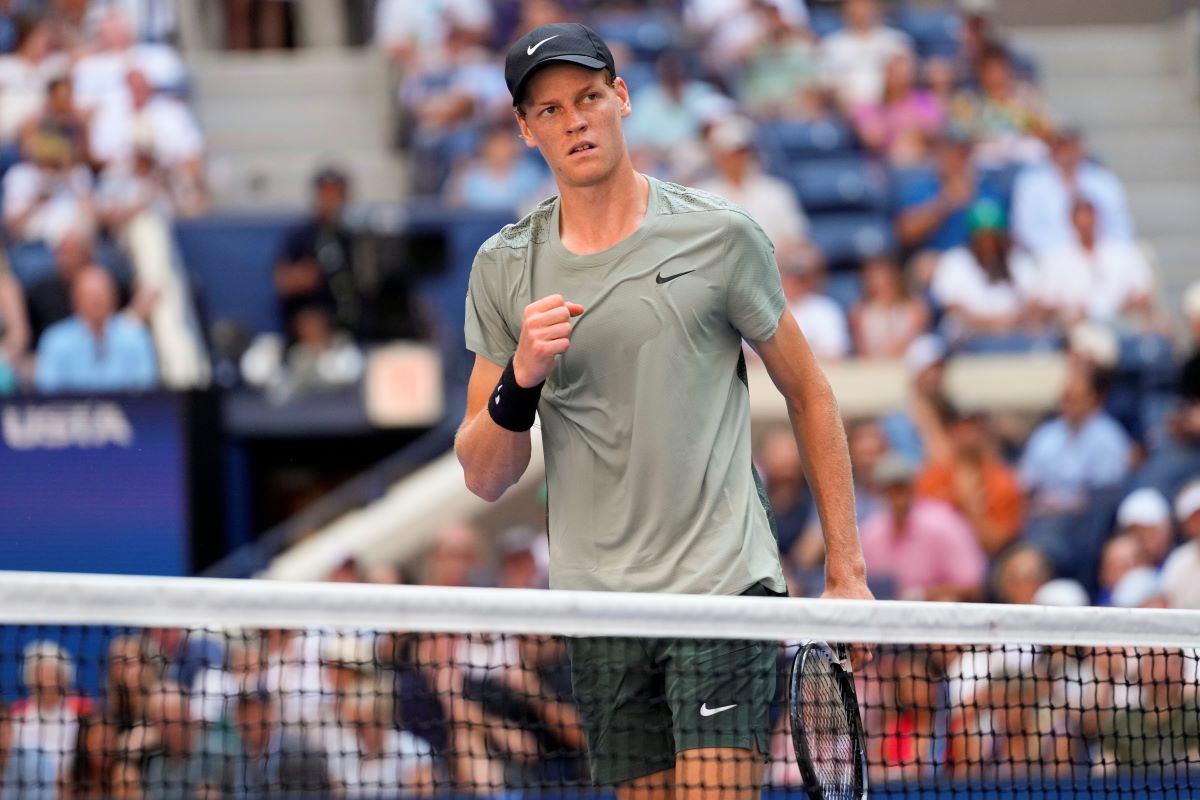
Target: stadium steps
[[272, 118], [1122, 83]]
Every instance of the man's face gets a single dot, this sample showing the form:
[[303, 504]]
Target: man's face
[[1068, 153], [255, 720], [860, 14], [331, 198], [1083, 218], [970, 438], [899, 496], [574, 118], [95, 297]]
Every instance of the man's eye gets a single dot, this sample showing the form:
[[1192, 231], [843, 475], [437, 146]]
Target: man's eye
[[547, 111], [592, 96]]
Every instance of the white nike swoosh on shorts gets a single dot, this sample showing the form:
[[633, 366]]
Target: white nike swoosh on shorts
[[705, 711]]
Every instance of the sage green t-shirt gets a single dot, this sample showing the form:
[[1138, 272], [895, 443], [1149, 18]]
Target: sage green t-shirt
[[645, 419]]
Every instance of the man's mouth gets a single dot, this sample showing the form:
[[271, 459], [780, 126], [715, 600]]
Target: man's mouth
[[582, 147]]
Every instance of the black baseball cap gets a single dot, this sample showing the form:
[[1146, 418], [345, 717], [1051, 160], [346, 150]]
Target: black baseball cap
[[561, 41]]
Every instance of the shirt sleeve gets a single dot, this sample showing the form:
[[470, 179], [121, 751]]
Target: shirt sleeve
[[487, 331], [754, 298]]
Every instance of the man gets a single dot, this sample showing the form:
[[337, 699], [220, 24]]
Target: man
[[925, 547], [267, 761], [933, 205], [645, 420], [966, 472], [1042, 197], [1080, 450], [1145, 515], [1089, 277], [854, 59], [315, 267], [183, 760], [96, 350]]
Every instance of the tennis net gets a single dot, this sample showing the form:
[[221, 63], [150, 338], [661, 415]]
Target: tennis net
[[169, 688]]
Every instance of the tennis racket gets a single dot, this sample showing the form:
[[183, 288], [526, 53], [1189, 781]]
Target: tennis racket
[[827, 732]]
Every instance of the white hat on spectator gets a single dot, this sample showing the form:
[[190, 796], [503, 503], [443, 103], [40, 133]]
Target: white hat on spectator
[[1144, 506], [1187, 502], [349, 650], [1066, 592], [1191, 301], [1095, 342], [925, 351], [731, 134], [1136, 587]]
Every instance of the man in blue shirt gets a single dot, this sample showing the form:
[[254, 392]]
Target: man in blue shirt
[[1080, 450], [96, 349], [933, 203]]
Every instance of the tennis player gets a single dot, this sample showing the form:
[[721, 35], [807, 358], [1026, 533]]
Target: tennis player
[[617, 309]]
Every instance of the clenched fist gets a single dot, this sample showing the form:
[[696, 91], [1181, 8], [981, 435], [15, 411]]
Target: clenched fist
[[545, 333]]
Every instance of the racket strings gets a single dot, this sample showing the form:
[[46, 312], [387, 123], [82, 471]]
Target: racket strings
[[828, 730]]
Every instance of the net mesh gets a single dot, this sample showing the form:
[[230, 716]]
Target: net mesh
[[476, 694]]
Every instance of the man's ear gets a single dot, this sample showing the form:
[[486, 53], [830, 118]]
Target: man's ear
[[525, 135], [622, 91]]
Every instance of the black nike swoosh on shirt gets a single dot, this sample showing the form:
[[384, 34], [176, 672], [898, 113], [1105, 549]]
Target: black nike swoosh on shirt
[[660, 279]]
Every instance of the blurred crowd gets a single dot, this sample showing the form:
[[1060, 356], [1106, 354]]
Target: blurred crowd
[[99, 151]]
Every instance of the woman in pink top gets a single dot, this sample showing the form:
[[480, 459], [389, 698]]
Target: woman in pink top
[[902, 123], [887, 318]]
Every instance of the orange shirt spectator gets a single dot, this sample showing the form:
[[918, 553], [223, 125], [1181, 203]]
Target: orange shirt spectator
[[965, 473]]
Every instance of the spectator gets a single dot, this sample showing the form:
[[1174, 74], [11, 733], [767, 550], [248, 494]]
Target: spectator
[[985, 288], [135, 670], [1004, 115], [781, 76], [1044, 193], [97, 749], [1180, 585], [414, 33], [49, 298], [933, 206], [901, 125], [855, 59], [14, 329], [924, 547], [887, 318], [1121, 554], [445, 102], [499, 178], [668, 114], [1106, 280], [143, 120], [59, 119], [740, 179], [50, 194], [821, 319], [1018, 574], [731, 29], [290, 669], [457, 558], [367, 755], [966, 473], [316, 266], [524, 559], [99, 77], [268, 760], [181, 760], [96, 349], [1145, 516], [24, 74], [1080, 450], [44, 725]]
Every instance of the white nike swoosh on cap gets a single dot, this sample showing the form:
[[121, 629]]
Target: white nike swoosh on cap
[[705, 711], [529, 50]]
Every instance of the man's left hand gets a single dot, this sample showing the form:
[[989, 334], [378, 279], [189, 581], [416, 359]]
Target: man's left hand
[[852, 589]]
